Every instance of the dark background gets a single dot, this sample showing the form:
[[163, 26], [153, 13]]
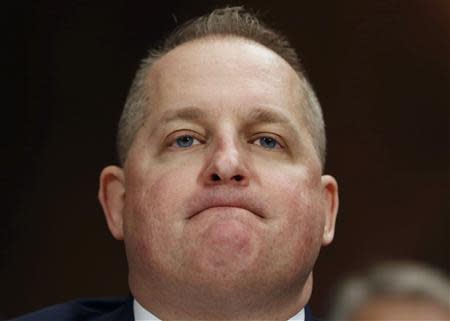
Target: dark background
[[381, 71]]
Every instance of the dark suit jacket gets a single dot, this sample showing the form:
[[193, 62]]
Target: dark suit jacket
[[110, 309], [119, 309]]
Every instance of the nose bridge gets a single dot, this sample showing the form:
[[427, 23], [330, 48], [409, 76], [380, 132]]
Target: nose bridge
[[227, 162], [226, 152], [227, 156]]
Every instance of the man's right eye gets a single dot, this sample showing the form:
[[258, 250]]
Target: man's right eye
[[185, 141]]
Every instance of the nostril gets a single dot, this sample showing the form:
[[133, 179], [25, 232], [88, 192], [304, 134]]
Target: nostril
[[238, 178], [215, 177]]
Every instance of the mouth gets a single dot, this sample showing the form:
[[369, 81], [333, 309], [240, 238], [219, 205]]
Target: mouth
[[225, 209], [225, 201]]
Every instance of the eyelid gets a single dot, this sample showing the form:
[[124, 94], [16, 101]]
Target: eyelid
[[172, 137], [275, 137]]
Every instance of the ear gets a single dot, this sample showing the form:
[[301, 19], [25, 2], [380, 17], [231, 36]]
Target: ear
[[331, 204], [112, 197]]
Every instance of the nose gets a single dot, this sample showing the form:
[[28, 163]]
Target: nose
[[226, 165]]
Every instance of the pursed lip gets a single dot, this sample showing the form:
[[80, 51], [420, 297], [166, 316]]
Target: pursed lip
[[225, 200]]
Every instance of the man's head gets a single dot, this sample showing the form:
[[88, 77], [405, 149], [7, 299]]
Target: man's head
[[393, 291], [221, 200], [221, 23]]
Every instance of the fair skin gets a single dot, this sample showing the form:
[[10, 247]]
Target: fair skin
[[221, 202], [400, 308]]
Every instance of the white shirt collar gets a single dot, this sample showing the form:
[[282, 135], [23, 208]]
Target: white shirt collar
[[141, 314]]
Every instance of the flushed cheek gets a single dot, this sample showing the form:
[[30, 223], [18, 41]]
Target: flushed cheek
[[154, 213], [291, 191], [297, 219], [160, 191]]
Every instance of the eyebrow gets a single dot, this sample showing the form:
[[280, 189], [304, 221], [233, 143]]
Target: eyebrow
[[187, 113], [263, 115], [257, 115]]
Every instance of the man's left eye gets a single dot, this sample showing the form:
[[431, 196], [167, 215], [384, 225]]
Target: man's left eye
[[185, 141], [268, 142]]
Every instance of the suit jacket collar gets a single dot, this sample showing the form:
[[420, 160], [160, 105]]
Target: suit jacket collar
[[122, 313], [125, 313], [308, 314]]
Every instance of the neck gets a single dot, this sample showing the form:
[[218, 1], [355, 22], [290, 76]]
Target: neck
[[227, 304]]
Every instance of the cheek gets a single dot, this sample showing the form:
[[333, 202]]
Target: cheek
[[153, 212], [293, 191], [157, 192], [298, 217]]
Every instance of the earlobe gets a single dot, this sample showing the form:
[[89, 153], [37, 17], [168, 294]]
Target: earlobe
[[331, 204], [111, 195]]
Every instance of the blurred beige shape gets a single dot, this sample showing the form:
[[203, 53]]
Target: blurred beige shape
[[393, 291], [394, 308]]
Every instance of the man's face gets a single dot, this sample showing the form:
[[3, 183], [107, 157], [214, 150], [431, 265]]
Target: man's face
[[222, 185]]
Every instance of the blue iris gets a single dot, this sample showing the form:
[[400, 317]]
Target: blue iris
[[268, 142], [185, 141]]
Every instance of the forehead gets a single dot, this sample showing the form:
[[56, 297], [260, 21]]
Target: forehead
[[223, 72]]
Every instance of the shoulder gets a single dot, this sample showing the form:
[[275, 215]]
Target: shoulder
[[84, 309], [309, 315]]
